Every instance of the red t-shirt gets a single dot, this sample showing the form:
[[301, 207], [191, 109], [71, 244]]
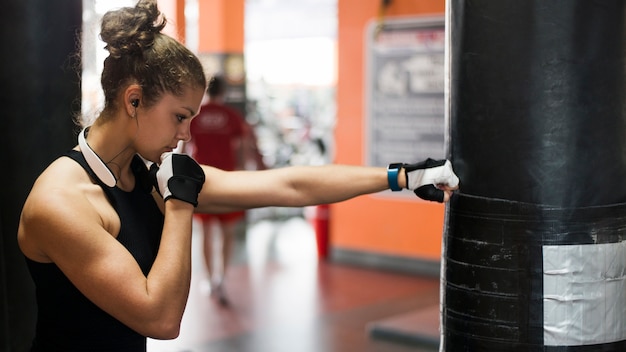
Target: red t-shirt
[[215, 134]]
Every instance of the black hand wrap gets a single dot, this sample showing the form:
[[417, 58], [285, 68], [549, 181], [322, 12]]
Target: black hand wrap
[[430, 192], [425, 164], [179, 177]]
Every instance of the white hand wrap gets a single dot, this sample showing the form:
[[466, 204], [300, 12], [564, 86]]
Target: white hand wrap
[[422, 178], [430, 172]]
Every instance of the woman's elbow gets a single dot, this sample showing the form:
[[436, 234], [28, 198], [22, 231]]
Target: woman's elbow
[[162, 330]]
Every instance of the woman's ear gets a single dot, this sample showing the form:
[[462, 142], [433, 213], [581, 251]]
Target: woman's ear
[[132, 99]]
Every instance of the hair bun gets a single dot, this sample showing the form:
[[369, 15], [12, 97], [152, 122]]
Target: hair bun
[[131, 30]]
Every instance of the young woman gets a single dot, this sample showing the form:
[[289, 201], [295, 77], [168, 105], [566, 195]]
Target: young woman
[[108, 242]]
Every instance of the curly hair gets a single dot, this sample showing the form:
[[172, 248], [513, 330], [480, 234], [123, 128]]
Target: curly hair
[[140, 53]]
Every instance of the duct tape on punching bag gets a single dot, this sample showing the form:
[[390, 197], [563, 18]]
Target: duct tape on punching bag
[[534, 250]]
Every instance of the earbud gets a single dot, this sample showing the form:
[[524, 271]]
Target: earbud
[[134, 102]]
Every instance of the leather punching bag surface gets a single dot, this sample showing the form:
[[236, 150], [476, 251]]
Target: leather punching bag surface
[[535, 241]]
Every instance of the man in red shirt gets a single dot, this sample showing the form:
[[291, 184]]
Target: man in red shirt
[[217, 139]]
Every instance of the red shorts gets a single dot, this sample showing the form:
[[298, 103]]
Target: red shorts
[[225, 217]]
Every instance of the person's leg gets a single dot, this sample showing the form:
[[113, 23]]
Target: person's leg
[[228, 234], [207, 248], [228, 226]]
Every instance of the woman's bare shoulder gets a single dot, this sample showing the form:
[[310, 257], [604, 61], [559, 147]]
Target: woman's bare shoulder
[[58, 201]]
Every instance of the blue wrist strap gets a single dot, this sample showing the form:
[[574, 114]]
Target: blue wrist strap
[[392, 176]]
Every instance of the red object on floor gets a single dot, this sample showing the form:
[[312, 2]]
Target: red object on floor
[[320, 220]]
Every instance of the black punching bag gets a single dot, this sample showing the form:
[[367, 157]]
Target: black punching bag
[[535, 240], [40, 94]]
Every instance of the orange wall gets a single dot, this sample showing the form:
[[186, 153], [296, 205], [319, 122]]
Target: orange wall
[[221, 26], [408, 228], [174, 12]]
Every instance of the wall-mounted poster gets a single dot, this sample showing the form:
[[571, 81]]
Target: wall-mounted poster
[[404, 95]]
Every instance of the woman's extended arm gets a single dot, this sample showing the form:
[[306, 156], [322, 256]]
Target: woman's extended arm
[[294, 186]]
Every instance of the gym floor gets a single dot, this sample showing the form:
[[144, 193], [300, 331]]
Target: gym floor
[[282, 298]]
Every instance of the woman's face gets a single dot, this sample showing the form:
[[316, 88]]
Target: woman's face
[[163, 125]]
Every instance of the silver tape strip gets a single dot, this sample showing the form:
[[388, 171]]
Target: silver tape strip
[[584, 294]]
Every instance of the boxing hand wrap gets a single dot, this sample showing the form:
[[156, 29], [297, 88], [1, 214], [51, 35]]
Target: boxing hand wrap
[[179, 177], [423, 177]]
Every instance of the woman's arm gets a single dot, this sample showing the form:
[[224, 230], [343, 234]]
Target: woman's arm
[[63, 226], [292, 186]]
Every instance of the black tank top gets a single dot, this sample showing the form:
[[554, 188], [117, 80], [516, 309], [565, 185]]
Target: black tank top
[[66, 319]]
